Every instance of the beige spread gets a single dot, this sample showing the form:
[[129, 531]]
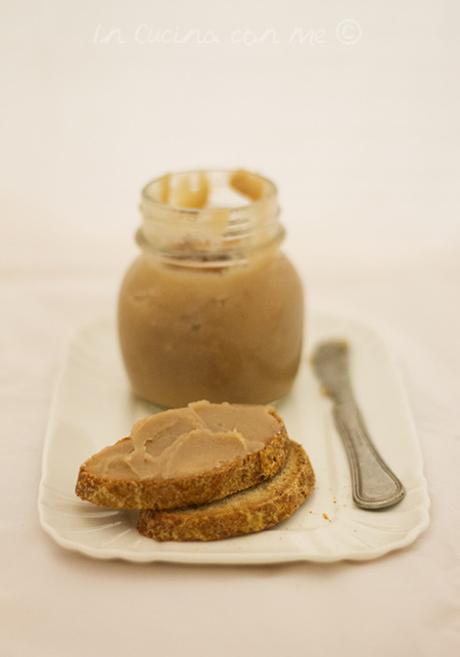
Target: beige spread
[[186, 441], [194, 190], [208, 331]]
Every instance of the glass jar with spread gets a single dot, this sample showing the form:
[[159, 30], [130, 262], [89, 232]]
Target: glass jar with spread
[[211, 308]]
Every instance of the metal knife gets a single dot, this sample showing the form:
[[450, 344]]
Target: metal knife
[[374, 484]]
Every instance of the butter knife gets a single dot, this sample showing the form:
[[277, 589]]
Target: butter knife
[[374, 484]]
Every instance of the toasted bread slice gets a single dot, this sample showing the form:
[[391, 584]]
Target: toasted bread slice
[[165, 491], [246, 512]]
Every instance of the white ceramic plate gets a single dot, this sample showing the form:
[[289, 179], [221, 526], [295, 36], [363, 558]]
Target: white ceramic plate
[[93, 407]]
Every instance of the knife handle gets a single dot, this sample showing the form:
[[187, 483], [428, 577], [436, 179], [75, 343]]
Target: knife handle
[[374, 484]]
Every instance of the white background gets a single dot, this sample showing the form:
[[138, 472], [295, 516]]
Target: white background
[[358, 125]]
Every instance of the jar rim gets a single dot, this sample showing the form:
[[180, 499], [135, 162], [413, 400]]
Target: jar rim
[[271, 192], [220, 230]]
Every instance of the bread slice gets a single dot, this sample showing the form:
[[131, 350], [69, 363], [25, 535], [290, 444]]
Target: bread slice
[[246, 512], [173, 492]]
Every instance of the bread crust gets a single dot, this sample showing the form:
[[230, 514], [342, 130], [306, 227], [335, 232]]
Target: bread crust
[[243, 513], [161, 494]]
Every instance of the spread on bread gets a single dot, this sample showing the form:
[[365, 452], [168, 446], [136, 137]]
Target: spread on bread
[[187, 441], [203, 472], [186, 456]]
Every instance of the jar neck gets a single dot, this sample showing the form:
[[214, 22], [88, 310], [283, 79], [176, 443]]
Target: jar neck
[[209, 217]]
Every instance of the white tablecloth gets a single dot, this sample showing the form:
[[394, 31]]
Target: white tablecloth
[[363, 139]]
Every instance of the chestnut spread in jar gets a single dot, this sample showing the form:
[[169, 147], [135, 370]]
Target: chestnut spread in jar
[[211, 308]]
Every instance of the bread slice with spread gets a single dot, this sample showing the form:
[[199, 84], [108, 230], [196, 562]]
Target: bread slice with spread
[[187, 456]]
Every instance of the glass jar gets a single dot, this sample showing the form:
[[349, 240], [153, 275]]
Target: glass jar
[[211, 309]]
